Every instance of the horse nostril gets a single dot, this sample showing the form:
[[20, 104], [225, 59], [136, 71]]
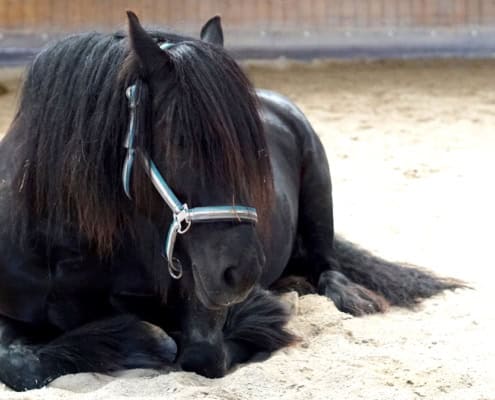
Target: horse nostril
[[229, 276]]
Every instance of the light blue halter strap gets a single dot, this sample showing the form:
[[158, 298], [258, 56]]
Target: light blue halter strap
[[183, 217], [129, 140]]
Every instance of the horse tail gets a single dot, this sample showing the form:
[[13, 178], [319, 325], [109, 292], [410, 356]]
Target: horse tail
[[399, 284]]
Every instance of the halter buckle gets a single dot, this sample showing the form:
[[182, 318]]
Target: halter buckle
[[183, 220]]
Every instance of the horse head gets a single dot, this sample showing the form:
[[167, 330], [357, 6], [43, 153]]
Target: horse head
[[196, 128]]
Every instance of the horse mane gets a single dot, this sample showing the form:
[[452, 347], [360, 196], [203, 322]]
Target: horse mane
[[73, 117]]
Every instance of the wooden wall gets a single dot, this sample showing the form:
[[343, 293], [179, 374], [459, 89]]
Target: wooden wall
[[28, 16]]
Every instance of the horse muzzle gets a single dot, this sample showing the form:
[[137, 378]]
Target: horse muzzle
[[230, 286]]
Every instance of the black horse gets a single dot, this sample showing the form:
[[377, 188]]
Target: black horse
[[84, 211]]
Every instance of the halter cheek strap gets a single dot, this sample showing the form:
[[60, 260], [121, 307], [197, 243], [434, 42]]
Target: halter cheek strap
[[183, 216]]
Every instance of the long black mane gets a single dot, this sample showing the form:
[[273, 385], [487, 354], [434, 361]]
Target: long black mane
[[74, 115]]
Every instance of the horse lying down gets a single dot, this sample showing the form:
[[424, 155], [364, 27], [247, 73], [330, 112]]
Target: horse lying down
[[149, 196]]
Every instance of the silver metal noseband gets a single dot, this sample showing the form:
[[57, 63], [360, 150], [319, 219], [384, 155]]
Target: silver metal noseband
[[183, 216]]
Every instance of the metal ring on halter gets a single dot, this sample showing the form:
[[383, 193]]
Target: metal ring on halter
[[175, 272]]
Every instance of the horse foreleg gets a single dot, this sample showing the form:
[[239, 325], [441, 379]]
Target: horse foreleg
[[102, 346], [202, 343]]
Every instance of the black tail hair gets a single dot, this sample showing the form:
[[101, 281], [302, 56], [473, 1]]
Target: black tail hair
[[400, 284]]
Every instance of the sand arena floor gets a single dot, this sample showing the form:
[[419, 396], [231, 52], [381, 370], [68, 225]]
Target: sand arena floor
[[411, 147]]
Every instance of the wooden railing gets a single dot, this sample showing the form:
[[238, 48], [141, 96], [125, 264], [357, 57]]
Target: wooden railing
[[28, 16]]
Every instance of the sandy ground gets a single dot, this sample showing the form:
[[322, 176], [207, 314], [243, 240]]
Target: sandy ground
[[411, 147]]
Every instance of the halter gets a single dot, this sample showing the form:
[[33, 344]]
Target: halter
[[183, 216]]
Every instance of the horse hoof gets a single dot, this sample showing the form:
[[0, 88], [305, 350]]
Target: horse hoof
[[20, 369], [349, 296], [204, 359]]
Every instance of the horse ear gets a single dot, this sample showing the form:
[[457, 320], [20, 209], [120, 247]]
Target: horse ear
[[212, 31], [151, 58]]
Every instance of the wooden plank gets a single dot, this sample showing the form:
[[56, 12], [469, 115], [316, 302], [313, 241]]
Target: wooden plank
[[14, 15], [29, 15], [3, 14], [360, 13], [473, 12], [375, 14], [305, 13], [333, 16], [320, 13], [417, 13], [488, 12], [404, 13]]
